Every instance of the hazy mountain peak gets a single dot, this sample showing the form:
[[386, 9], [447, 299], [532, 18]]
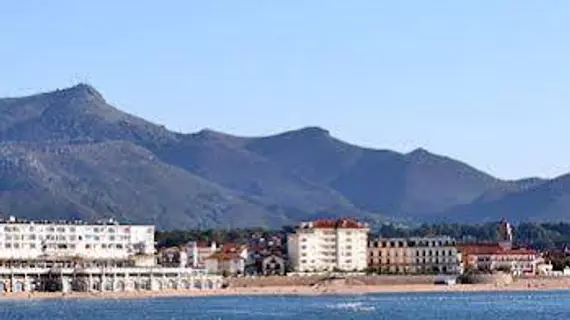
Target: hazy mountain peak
[[81, 90], [313, 130], [418, 152]]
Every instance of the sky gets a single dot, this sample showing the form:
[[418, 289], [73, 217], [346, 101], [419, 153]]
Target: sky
[[486, 82]]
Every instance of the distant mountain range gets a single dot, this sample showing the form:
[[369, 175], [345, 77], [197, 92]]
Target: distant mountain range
[[68, 154]]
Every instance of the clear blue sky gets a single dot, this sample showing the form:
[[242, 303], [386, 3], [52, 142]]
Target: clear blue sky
[[487, 82]]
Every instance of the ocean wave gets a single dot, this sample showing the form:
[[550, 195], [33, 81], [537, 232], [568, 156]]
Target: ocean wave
[[352, 306]]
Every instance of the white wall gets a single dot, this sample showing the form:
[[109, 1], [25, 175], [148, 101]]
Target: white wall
[[32, 240]]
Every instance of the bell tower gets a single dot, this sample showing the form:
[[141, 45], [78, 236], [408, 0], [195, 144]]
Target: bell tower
[[505, 235]]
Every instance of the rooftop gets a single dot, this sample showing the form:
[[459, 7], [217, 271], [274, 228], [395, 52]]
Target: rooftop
[[493, 249], [333, 224], [14, 220]]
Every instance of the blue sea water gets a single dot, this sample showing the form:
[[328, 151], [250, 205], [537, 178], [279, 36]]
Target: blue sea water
[[417, 306]]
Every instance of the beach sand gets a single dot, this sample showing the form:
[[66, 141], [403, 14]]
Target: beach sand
[[536, 284]]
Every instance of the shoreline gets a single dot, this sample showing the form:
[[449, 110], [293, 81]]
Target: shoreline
[[525, 285]]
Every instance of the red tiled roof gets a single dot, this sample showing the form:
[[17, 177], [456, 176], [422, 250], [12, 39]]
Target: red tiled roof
[[233, 247], [224, 256], [492, 249], [483, 248], [338, 224]]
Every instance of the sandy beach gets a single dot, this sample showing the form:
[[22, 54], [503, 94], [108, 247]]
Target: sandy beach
[[519, 285]]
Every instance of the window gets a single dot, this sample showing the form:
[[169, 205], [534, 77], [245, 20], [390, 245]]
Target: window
[[8, 246]]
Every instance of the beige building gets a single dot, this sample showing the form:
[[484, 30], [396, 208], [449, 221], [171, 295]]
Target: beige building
[[328, 245], [198, 251], [229, 261], [414, 255]]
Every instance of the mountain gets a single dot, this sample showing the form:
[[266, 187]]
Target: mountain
[[68, 154], [536, 200]]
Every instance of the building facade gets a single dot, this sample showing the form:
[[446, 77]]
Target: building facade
[[31, 240], [501, 255], [328, 245], [414, 256], [105, 256], [490, 257], [199, 251]]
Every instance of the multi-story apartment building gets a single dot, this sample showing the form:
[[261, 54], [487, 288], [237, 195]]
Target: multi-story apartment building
[[328, 245], [29, 240], [414, 255]]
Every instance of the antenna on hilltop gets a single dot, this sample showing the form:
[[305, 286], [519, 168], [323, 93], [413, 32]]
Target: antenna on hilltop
[[80, 78]]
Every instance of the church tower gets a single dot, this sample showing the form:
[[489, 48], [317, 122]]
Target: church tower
[[505, 235]]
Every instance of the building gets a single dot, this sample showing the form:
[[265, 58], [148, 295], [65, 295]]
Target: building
[[173, 257], [328, 245], [265, 261], [226, 264], [32, 240], [438, 255], [273, 265], [76, 256], [494, 256], [501, 255], [230, 260], [198, 251]]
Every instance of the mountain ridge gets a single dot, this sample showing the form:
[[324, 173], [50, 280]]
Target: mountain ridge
[[68, 153]]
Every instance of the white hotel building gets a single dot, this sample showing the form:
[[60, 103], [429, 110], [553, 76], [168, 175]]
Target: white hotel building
[[328, 245], [74, 256], [38, 240]]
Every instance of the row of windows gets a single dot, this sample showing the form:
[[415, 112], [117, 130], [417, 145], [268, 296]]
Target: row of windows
[[423, 253], [16, 245], [417, 261], [33, 237], [62, 229], [412, 243], [487, 259], [303, 261]]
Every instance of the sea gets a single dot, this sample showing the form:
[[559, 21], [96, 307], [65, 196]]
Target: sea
[[416, 306]]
